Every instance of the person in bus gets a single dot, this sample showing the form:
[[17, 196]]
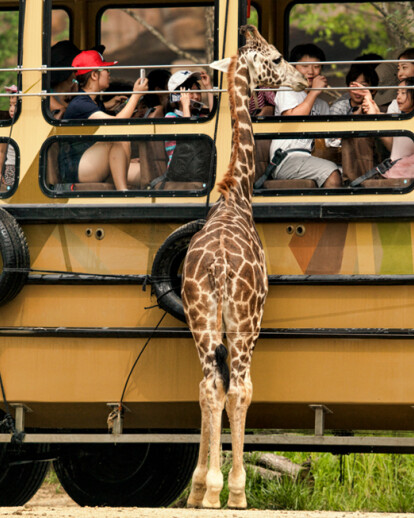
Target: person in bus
[[157, 103], [7, 151], [401, 164], [357, 76], [99, 161], [186, 100], [405, 70], [358, 153], [292, 157], [62, 81]]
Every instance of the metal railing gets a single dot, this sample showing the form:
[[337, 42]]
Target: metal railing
[[215, 90]]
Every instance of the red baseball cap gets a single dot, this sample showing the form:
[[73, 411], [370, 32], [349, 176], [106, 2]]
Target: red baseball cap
[[90, 58]]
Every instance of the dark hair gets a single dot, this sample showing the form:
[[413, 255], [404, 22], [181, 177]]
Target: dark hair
[[370, 56], [189, 83], [371, 77], [307, 49], [407, 54], [409, 81], [158, 79], [82, 79], [62, 54]]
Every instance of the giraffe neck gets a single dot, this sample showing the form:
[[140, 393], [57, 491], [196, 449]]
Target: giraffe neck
[[237, 185]]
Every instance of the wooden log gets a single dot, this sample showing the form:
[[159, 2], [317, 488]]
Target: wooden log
[[280, 464]]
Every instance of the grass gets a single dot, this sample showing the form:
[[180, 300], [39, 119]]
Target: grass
[[354, 482]]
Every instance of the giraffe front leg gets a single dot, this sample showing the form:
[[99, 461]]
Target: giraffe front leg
[[238, 401], [198, 483], [216, 398]]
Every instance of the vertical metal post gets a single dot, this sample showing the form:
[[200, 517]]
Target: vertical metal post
[[19, 415], [320, 411], [115, 419]]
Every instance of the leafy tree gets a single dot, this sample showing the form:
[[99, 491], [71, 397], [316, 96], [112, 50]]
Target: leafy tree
[[379, 27], [9, 23]]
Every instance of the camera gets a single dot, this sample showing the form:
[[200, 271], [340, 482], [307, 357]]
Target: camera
[[196, 107]]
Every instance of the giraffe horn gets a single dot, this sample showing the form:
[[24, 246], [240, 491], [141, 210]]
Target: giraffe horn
[[250, 32]]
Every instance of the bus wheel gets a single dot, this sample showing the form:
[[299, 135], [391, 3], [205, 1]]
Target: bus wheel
[[14, 256], [166, 267], [20, 478], [126, 475]]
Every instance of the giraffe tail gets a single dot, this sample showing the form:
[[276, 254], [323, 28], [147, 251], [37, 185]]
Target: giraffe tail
[[218, 276], [221, 357]]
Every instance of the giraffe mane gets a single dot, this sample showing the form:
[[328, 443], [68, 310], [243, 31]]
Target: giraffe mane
[[229, 181]]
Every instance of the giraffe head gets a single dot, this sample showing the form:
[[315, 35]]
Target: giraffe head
[[267, 67]]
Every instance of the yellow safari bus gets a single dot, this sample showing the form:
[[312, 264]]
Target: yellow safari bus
[[98, 369]]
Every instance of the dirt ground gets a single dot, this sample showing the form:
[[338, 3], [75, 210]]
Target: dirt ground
[[52, 502]]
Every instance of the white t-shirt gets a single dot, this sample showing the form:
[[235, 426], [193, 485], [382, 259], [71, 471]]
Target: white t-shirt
[[287, 100], [393, 107], [401, 146]]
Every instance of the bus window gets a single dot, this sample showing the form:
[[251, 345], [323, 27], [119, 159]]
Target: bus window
[[9, 160], [253, 17], [349, 31], [80, 166], [9, 33], [157, 36], [366, 163], [60, 25]]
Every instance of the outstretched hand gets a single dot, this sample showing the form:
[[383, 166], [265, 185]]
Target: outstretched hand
[[141, 85], [205, 80], [319, 82]]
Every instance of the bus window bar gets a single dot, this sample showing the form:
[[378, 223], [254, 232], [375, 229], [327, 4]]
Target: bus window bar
[[213, 91], [45, 68]]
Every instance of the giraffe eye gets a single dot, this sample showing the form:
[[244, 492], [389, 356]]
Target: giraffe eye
[[277, 60]]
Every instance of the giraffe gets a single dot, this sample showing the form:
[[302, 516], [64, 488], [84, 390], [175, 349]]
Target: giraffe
[[225, 279]]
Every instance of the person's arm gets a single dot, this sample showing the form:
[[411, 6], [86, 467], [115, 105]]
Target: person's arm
[[370, 107], [115, 102], [185, 102], [140, 87], [305, 107], [206, 85]]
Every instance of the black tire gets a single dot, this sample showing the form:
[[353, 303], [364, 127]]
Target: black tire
[[15, 255], [166, 282], [19, 482], [126, 475]]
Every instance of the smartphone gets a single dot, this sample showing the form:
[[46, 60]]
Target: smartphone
[[142, 73]]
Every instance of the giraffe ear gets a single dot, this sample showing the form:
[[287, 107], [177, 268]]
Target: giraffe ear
[[221, 64]]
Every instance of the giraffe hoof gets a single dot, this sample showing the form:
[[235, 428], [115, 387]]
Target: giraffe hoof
[[238, 502], [210, 503], [193, 502]]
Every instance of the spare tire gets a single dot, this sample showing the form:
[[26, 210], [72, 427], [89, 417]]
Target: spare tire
[[165, 278], [15, 257]]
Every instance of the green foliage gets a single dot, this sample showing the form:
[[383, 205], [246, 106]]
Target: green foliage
[[9, 23], [357, 482], [370, 482], [365, 27], [254, 17]]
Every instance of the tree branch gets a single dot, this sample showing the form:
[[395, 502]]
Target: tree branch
[[182, 53]]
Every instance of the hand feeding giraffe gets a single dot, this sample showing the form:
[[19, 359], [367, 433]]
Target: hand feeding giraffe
[[225, 279]]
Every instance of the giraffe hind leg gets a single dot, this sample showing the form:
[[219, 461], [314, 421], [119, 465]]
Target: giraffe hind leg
[[216, 397], [198, 484], [237, 405], [238, 402]]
